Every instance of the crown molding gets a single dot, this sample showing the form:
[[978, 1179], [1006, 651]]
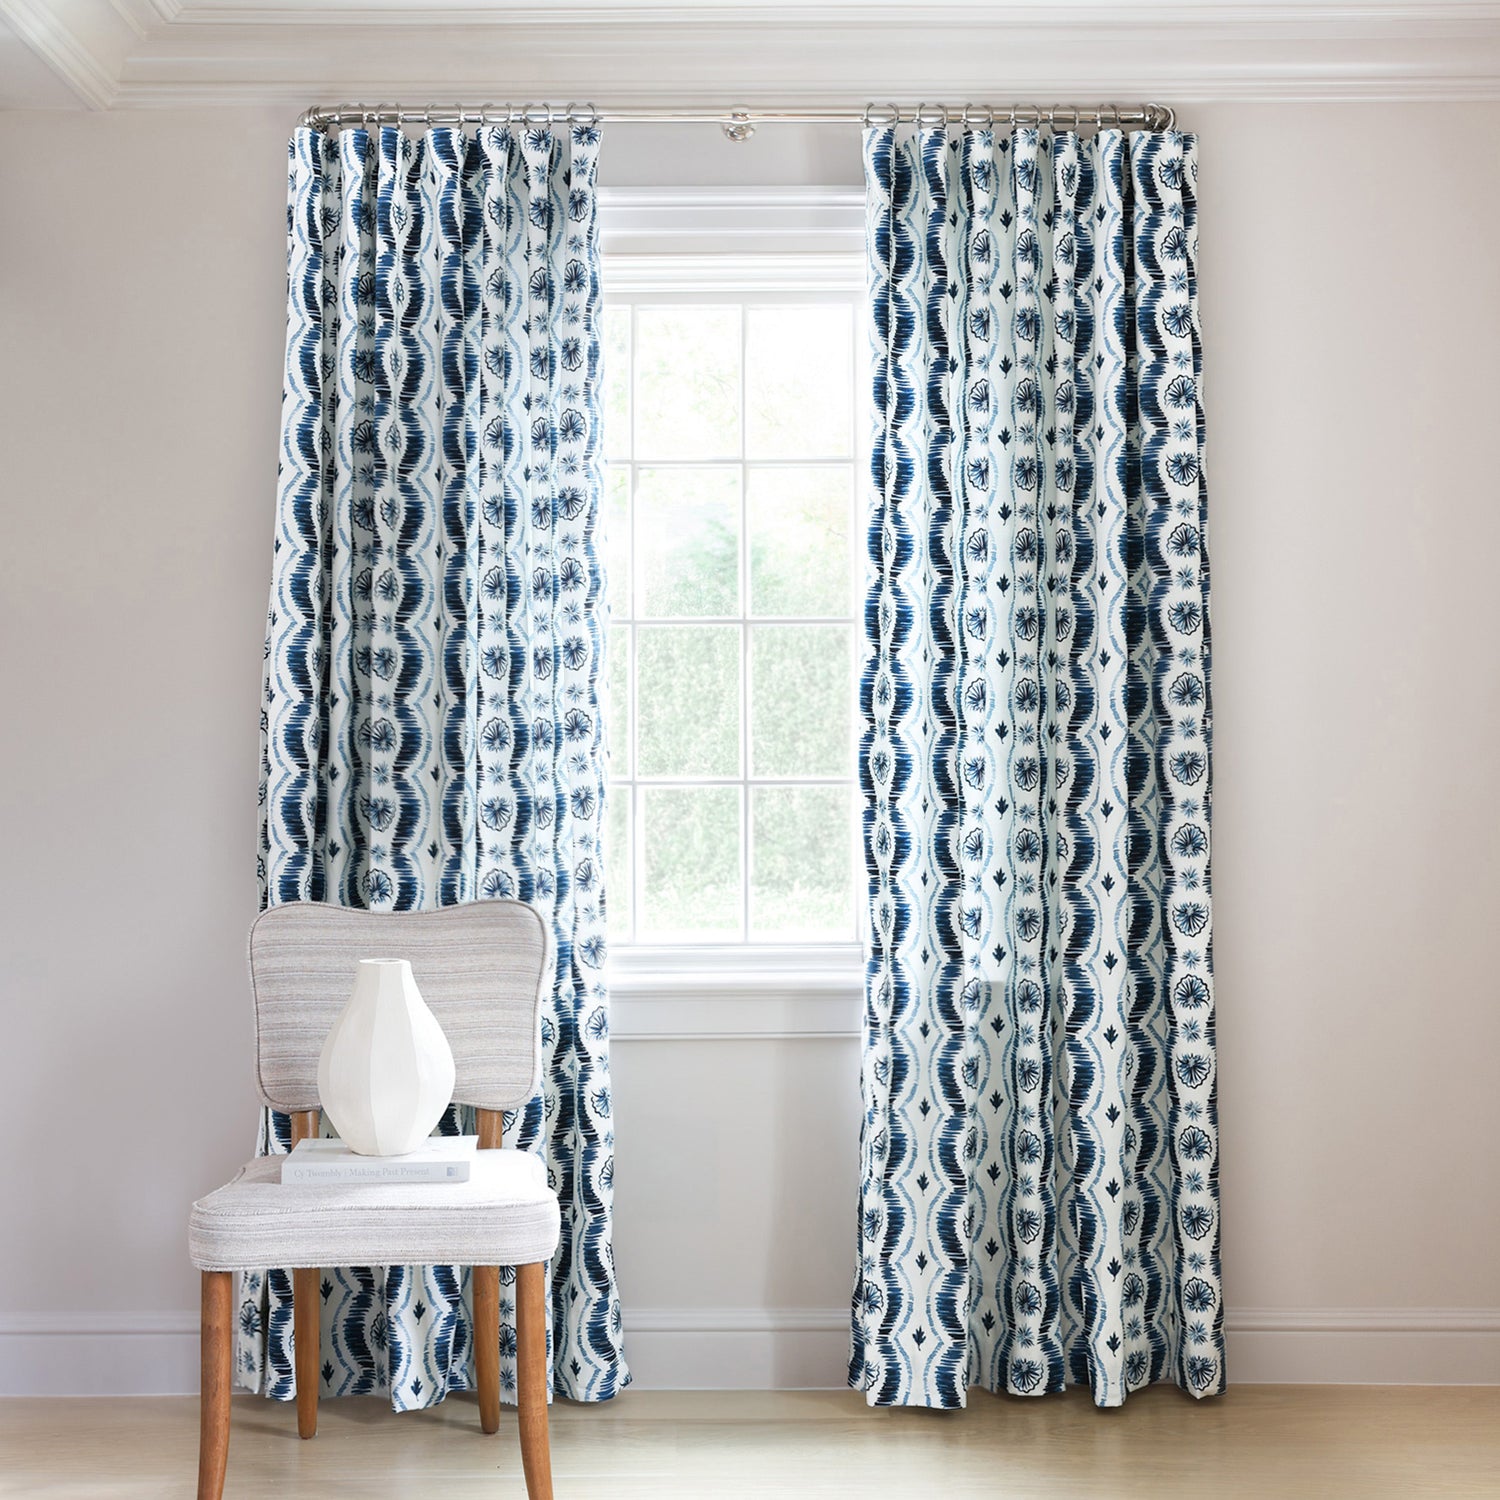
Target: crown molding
[[1288, 15], [176, 53], [83, 41], [142, 15]]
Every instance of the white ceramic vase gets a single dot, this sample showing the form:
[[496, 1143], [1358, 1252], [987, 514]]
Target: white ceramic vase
[[386, 1072]]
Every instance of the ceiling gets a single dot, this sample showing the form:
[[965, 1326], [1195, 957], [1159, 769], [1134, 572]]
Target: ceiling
[[129, 54]]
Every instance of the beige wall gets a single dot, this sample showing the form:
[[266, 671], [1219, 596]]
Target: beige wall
[[1352, 313]]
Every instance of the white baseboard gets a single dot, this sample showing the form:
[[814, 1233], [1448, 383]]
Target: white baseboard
[[98, 1354], [1364, 1346], [737, 1348], [726, 1348]]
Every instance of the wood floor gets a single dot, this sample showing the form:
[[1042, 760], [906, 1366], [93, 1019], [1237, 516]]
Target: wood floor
[[1267, 1442]]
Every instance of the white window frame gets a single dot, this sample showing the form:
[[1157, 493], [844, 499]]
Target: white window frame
[[769, 245]]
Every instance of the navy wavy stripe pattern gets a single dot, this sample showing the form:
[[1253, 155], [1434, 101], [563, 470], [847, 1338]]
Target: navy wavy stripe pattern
[[430, 727], [1039, 1144]]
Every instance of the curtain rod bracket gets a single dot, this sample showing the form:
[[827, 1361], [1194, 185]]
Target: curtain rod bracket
[[737, 125]]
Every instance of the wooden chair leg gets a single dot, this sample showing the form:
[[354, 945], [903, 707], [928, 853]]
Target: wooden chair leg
[[216, 1343], [485, 1284], [531, 1378], [307, 1336], [306, 1308]]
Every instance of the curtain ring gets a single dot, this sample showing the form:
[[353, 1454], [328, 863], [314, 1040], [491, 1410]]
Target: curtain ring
[[875, 116], [536, 116], [920, 120]]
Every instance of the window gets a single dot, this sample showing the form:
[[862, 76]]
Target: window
[[731, 549]]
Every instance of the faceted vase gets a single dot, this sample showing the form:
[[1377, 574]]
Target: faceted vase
[[386, 1072]]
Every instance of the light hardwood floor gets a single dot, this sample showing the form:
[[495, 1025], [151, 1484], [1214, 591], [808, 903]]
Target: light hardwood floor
[[1268, 1442]]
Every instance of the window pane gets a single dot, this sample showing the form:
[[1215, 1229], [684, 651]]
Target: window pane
[[799, 541], [688, 695], [687, 382], [691, 853], [615, 543], [617, 701], [688, 538], [799, 381], [616, 354], [615, 832], [800, 700], [802, 871]]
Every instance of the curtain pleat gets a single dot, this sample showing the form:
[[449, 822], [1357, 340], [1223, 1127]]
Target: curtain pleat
[[1039, 1199], [431, 727]]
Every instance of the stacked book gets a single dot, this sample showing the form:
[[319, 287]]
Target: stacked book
[[441, 1158]]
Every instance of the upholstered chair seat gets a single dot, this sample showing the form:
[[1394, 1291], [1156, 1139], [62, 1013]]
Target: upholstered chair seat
[[504, 1215]]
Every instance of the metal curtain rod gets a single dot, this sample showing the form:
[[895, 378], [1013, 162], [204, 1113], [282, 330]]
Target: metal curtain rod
[[739, 124]]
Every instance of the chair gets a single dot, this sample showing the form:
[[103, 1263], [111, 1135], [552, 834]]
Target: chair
[[483, 969]]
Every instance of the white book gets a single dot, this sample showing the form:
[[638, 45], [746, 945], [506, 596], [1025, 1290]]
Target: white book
[[441, 1158]]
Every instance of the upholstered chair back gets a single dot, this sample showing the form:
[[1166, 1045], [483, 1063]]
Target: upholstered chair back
[[483, 969]]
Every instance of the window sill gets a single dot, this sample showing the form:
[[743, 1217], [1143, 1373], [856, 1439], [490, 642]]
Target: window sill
[[735, 991]]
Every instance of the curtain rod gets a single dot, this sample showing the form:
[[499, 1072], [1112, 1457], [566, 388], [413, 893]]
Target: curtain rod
[[740, 124]]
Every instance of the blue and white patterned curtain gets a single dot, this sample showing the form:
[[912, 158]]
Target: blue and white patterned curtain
[[1040, 1142], [431, 723]]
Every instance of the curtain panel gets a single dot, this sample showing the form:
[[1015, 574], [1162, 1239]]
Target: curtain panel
[[1039, 1204], [431, 729]]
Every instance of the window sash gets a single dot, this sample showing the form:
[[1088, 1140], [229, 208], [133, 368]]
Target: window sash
[[728, 956]]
